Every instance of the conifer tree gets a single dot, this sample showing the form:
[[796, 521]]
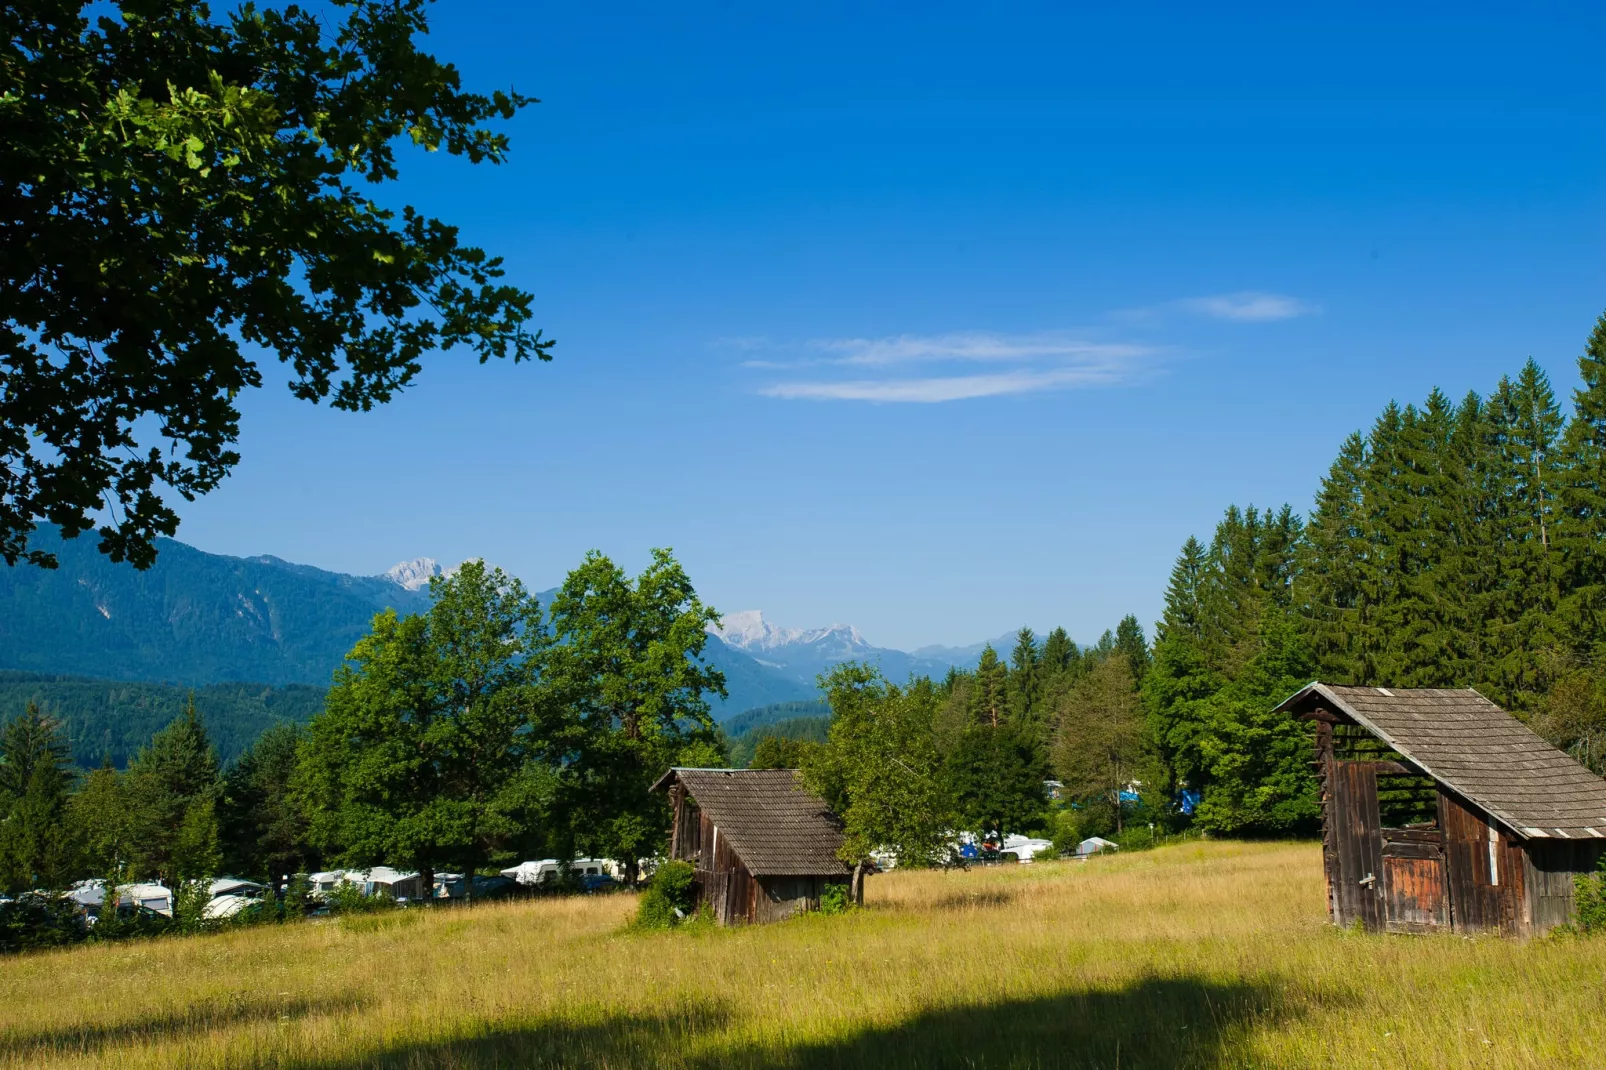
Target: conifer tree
[[1059, 652], [1025, 677], [34, 783], [1131, 644], [1581, 524], [989, 697], [264, 831], [171, 790]]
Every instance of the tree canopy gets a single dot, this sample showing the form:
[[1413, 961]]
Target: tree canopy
[[179, 192]]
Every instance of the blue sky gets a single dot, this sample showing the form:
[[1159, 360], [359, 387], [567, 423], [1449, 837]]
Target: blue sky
[[938, 319]]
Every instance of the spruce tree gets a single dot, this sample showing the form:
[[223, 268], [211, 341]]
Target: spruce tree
[[171, 788], [1059, 652], [1581, 524], [1327, 585], [264, 832], [1025, 677], [34, 783], [1131, 644], [989, 698]]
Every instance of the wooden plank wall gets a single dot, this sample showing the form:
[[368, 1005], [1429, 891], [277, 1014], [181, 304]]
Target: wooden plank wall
[[781, 897], [1486, 885], [1548, 871], [723, 882]]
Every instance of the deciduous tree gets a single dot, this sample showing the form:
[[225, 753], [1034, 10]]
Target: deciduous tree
[[628, 696], [183, 192]]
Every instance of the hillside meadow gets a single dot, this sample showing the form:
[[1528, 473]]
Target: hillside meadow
[[1207, 954]]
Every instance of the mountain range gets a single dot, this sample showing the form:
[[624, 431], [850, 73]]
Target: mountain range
[[803, 653], [200, 619]]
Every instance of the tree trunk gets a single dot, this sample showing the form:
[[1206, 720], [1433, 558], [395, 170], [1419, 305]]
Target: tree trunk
[[857, 890], [632, 871], [426, 877]]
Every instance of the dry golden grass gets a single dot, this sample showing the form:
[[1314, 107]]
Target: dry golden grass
[[1204, 955]]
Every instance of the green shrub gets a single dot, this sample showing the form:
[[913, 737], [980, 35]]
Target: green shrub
[[348, 898], [1137, 838], [836, 899], [37, 920], [1066, 832], [668, 892], [1589, 901]]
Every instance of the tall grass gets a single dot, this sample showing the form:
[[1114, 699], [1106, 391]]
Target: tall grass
[[1197, 955]]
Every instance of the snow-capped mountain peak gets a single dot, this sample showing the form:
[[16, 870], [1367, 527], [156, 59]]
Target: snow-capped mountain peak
[[413, 575], [749, 630]]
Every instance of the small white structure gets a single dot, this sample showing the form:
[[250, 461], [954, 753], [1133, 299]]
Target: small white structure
[[236, 886], [151, 895], [551, 869], [1025, 847], [1093, 845], [399, 883], [226, 906]]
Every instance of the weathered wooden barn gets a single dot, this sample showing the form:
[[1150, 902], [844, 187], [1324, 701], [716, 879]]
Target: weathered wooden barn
[[763, 846], [1442, 811]]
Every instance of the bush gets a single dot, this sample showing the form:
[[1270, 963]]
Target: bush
[[1137, 838], [836, 899], [37, 920], [348, 898], [1589, 900], [1065, 831], [128, 921], [668, 898]]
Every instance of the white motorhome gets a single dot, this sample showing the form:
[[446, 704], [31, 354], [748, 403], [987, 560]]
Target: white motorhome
[[551, 869]]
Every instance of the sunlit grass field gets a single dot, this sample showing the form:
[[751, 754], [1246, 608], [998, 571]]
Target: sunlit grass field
[[1200, 955]]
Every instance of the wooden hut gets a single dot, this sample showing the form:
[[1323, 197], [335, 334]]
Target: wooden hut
[[763, 846], [1442, 811]]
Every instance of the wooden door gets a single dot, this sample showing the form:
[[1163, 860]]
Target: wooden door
[[1359, 876], [1415, 894]]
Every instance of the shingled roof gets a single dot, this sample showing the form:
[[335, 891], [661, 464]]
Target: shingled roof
[[1479, 751], [776, 826]]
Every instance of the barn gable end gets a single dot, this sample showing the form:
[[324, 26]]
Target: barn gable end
[[763, 846], [1442, 811]]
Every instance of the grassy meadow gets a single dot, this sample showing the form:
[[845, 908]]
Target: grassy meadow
[[1207, 954]]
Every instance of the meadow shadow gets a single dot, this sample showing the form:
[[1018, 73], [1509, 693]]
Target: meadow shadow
[[1156, 1022], [615, 1041], [200, 1018]]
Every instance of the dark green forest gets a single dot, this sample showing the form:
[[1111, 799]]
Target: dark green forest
[[112, 719]]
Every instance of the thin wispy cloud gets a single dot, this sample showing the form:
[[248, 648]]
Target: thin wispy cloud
[[941, 388], [1036, 362], [1249, 306], [905, 348]]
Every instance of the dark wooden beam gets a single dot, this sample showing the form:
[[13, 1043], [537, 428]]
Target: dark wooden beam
[[1324, 716]]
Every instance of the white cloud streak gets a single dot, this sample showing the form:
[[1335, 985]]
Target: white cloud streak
[[1039, 362], [1249, 306], [941, 388], [905, 349]]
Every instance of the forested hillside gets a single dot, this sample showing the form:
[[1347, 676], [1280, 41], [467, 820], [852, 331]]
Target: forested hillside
[[804, 721], [193, 617], [112, 719]]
